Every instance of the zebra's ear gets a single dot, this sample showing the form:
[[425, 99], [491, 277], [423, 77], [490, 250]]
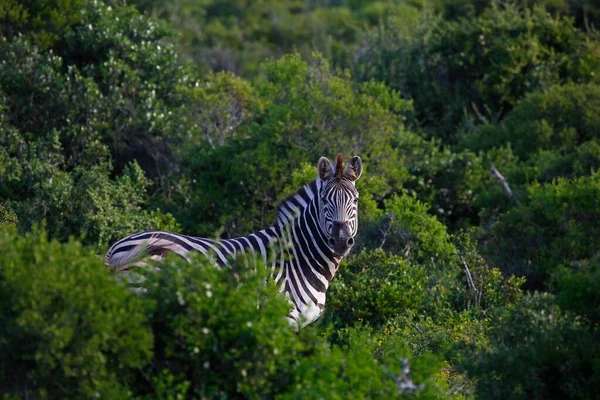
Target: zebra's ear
[[325, 169], [354, 169]]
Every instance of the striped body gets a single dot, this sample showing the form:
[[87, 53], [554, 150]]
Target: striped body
[[302, 249]]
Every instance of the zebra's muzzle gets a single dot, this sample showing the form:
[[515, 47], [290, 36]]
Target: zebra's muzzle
[[341, 240]]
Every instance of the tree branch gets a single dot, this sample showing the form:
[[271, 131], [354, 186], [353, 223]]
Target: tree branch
[[496, 174]]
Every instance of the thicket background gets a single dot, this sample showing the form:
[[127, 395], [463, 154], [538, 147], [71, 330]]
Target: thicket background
[[478, 259]]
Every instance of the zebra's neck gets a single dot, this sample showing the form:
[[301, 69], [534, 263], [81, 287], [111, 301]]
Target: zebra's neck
[[302, 264], [296, 236]]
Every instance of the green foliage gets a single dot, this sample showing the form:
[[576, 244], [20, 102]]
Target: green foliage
[[210, 332], [238, 36], [585, 12], [411, 231], [485, 287], [480, 66], [424, 272], [69, 330], [84, 201], [556, 226], [45, 22], [351, 371], [66, 328], [105, 131], [428, 308], [306, 111], [66, 118], [578, 290], [451, 182], [115, 82], [7, 216], [561, 119], [557, 352], [216, 108], [222, 333], [374, 287]]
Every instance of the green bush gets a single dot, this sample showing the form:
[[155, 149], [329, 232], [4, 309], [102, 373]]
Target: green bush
[[114, 81], [586, 14], [365, 368], [578, 288], [67, 330], [560, 119], [557, 225], [373, 287], [7, 216], [536, 351], [411, 231], [73, 119], [479, 67], [420, 255], [304, 111], [450, 182], [484, 287], [38, 186], [237, 37], [45, 22], [222, 333]]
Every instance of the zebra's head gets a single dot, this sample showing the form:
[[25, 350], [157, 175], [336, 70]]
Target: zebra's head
[[338, 202]]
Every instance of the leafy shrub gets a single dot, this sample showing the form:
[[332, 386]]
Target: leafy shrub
[[69, 330], [7, 216], [237, 37], [45, 22], [373, 287], [306, 111], [113, 81], [578, 291], [585, 13], [560, 119], [411, 231], [84, 202], [450, 182], [485, 287], [66, 328], [222, 333], [480, 66], [211, 334], [68, 114], [420, 254], [557, 225], [431, 307], [555, 351], [367, 368], [217, 107]]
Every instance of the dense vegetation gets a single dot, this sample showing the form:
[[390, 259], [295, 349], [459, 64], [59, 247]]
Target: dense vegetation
[[476, 273]]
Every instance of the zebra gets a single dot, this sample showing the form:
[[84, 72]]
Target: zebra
[[314, 231]]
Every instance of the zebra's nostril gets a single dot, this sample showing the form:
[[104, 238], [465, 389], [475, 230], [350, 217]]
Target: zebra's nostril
[[331, 242], [350, 242]]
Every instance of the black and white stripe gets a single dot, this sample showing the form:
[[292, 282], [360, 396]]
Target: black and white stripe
[[302, 249]]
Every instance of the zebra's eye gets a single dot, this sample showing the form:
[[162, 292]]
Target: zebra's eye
[[356, 200]]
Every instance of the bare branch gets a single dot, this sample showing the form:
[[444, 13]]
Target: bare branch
[[496, 174], [470, 281], [456, 389]]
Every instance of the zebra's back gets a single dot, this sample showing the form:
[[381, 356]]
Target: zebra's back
[[135, 248]]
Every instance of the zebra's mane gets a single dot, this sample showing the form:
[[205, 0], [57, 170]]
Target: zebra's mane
[[297, 202]]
